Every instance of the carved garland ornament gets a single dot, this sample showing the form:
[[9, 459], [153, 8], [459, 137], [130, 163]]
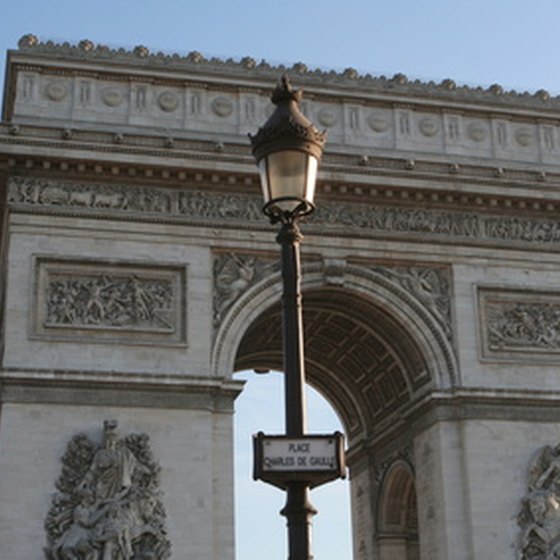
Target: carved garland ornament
[[242, 210], [539, 517], [108, 505]]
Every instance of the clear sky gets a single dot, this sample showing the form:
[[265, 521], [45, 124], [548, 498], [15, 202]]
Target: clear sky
[[475, 42]]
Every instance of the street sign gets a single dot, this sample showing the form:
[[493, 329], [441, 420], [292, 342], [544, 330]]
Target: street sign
[[314, 459]]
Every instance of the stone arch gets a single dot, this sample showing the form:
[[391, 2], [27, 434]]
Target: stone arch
[[393, 349], [397, 513]]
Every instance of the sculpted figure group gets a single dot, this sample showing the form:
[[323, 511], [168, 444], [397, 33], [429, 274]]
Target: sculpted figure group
[[539, 517], [108, 507]]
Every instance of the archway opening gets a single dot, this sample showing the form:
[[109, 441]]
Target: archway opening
[[357, 354], [259, 526], [372, 366]]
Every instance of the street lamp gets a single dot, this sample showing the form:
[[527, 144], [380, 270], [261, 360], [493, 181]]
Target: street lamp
[[287, 150]]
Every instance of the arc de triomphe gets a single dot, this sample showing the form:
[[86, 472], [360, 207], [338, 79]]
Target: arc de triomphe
[[139, 274]]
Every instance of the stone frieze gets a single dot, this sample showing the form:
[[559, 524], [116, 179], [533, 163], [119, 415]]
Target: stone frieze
[[244, 210]]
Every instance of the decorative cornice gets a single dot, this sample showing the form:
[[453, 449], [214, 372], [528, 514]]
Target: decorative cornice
[[23, 146], [117, 389], [455, 405], [349, 78]]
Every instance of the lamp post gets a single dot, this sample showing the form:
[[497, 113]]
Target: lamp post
[[287, 150]]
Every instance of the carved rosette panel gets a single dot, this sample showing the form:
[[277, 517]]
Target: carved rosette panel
[[108, 502], [234, 274], [429, 286], [240, 210], [517, 323], [539, 515], [109, 302]]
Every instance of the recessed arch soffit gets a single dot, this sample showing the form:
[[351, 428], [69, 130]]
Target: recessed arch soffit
[[357, 354], [416, 297]]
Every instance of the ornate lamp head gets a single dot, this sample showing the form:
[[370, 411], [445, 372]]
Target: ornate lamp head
[[287, 149]]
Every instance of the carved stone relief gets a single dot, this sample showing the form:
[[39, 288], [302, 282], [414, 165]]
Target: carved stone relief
[[428, 127], [112, 97], [241, 210], [56, 90], [539, 517], [108, 503], [108, 301], [405, 454], [378, 123], [328, 117], [524, 136], [477, 131], [430, 286], [516, 322], [222, 106], [234, 274], [168, 101]]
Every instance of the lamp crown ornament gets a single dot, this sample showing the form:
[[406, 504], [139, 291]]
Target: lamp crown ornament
[[287, 127]]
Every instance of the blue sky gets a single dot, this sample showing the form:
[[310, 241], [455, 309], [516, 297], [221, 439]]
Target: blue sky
[[511, 42], [475, 42]]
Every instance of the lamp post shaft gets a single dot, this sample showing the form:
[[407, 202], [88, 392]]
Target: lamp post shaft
[[289, 238], [298, 509]]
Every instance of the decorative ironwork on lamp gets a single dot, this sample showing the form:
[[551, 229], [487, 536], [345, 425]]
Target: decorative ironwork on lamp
[[287, 149]]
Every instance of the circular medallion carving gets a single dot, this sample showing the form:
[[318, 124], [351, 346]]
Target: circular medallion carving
[[428, 127], [378, 123], [327, 117], [476, 132], [111, 97], [56, 91], [524, 136], [222, 106], [168, 101]]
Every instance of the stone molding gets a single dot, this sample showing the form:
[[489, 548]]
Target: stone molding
[[504, 186], [119, 201], [519, 325], [456, 405], [98, 388]]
